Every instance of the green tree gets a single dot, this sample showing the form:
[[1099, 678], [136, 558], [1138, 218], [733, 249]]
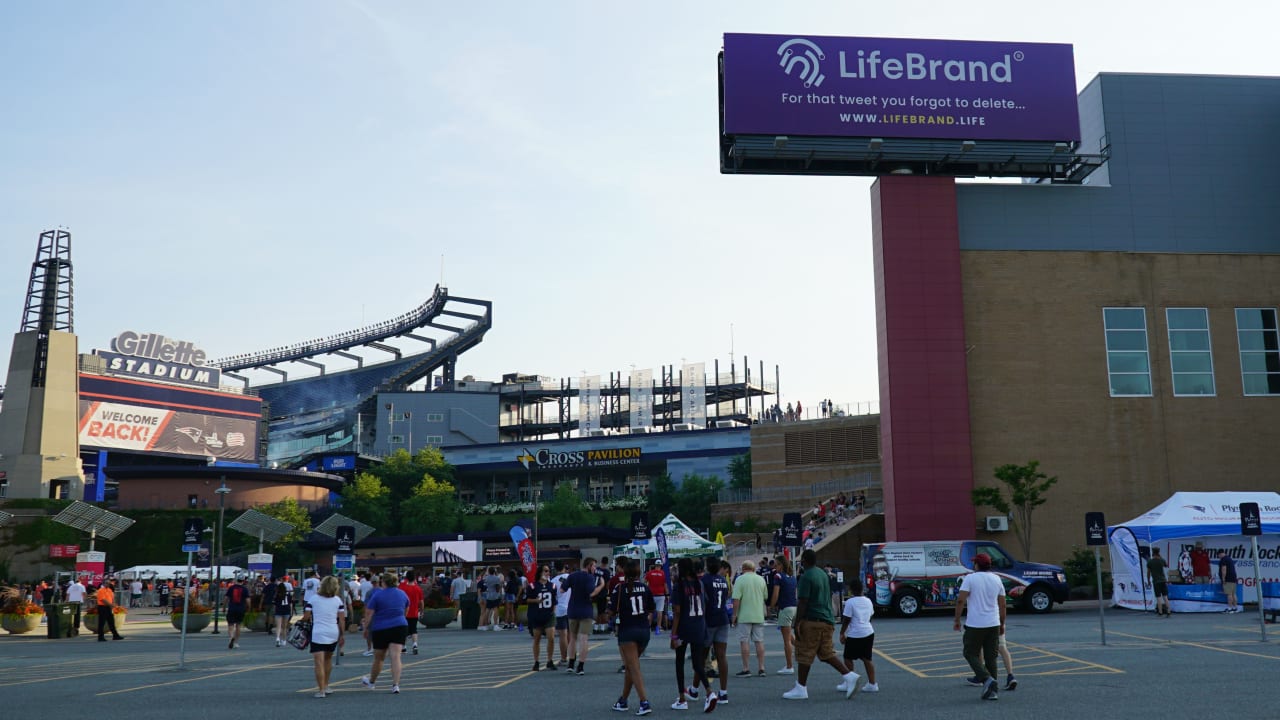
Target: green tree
[[369, 501], [432, 508], [401, 472], [291, 512], [662, 497], [565, 509], [694, 499], [1026, 486], [740, 472]]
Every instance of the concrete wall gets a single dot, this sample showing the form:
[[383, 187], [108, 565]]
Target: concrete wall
[[172, 494]]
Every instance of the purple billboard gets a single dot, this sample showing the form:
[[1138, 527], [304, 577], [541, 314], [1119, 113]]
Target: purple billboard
[[896, 88]]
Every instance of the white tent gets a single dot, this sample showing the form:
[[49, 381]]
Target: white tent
[[1174, 526], [682, 541], [170, 572]]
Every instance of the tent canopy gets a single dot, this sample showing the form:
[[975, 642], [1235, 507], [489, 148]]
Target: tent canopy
[[682, 541], [1196, 514]]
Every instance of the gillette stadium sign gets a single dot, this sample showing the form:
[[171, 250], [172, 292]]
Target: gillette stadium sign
[[151, 356]]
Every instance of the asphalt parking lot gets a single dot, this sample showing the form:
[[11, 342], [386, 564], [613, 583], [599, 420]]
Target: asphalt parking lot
[[1204, 665]]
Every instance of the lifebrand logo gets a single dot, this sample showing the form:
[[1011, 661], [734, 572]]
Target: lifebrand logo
[[807, 63]]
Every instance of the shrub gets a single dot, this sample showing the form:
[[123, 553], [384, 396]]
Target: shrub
[[438, 600], [20, 607], [195, 609]]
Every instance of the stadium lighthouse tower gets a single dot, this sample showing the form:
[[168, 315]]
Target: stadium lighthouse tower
[[39, 445]]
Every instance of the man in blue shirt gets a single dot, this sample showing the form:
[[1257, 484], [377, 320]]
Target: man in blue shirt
[[583, 585]]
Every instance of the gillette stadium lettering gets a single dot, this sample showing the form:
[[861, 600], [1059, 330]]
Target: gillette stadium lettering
[[158, 347], [914, 66], [548, 459]]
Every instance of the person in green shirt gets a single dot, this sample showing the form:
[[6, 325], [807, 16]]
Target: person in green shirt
[[748, 615], [815, 625]]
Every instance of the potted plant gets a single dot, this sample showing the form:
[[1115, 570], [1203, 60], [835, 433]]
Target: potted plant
[[18, 615], [438, 610], [197, 617], [256, 621]]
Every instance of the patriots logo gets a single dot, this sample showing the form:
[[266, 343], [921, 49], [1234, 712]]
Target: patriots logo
[[1199, 508]]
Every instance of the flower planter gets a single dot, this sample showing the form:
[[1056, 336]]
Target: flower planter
[[437, 617], [195, 621], [256, 621], [19, 624]]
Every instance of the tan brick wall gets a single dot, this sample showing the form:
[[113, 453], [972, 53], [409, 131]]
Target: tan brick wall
[[1038, 386], [769, 466]]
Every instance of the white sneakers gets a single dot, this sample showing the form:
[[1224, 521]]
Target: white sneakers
[[787, 671], [679, 705], [852, 683], [799, 692], [871, 687]]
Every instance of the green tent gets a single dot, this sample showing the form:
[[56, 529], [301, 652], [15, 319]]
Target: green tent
[[681, 542]]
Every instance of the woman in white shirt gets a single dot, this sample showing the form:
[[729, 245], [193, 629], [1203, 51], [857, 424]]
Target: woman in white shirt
[[327, 614], [856, 633]]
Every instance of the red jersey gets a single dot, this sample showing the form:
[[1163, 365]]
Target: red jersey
[[657, 581]]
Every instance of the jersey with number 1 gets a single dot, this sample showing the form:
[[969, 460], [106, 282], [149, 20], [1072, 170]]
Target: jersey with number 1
[[716, 589], [632, 604], [541, 597]]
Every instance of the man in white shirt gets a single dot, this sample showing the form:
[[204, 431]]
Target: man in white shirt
[[983, 593], [562, 613], [310, 587], [75, 594]]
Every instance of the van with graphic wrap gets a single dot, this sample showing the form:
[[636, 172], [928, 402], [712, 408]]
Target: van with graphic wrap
[[910, 577]]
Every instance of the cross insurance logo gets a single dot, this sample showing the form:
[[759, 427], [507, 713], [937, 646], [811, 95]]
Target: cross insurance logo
[[803, 57]]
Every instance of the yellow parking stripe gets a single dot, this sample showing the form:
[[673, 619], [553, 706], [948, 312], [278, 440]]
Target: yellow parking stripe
[[1201, 646]]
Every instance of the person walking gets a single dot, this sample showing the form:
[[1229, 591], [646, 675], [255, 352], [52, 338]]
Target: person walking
[[282, 604], [412, 591], [327, 613], [1227, 575], [583, 585], [748, 616], [689, 631], [814, 627], [384, 620], [982, 593], [716, 588], [856, 633], [75, 596], [783, 602], [106, 599], [656, 578], [541, 599], [237, 605], [1158, 569], [631, 606]]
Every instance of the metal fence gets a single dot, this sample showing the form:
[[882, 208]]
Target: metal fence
[[829, 488]]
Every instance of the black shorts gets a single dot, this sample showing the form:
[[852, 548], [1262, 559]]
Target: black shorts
[[412, 626], [324, 647], [601, 602], [386, 637], [1160, 589], [235, 616], [284, 612], [541, 622], [859, 648], [639, 636], [493, 603], [562, 622]]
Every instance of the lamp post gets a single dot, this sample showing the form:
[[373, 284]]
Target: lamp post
[[222, 495]]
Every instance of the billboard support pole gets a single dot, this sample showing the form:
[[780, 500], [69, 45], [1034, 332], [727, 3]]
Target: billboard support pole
[[186, 607], [1257, 583]]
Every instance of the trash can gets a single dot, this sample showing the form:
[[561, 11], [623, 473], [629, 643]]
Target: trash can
[[60, 616], [470, 611]]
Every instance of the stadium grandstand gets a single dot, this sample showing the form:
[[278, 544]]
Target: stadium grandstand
[[318, 403]]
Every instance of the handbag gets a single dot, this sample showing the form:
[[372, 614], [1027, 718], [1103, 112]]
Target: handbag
[[299, 634]]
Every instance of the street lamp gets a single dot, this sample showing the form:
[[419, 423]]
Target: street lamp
[[217, 587]]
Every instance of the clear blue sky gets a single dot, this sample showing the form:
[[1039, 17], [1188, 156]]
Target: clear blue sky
[[249, 174]]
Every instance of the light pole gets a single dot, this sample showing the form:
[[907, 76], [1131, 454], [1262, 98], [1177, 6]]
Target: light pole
[[217, 587]]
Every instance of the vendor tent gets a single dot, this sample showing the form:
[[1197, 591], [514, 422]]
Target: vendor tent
[[1174, 526], [682, 541]]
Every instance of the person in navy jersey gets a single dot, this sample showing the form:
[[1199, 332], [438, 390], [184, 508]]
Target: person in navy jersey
[[384, 618], [603, 573], [716, 589], [631, 606], [689, 631], [782, 599], [584, 586], [541, 599]]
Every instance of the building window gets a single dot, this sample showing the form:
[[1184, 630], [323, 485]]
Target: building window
[[1128, 362], [1190, 354], [1259, 350], [601, 489], [435, 417], [467, 497], [636, 487], [396, 439], [435, 440]]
